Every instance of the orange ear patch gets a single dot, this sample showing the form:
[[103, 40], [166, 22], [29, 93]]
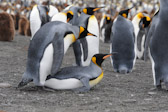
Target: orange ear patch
[[124, 15]]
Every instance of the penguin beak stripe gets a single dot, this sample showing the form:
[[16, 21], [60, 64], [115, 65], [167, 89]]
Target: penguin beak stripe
[[107, 56], [68, 19], [96, 9], [89, 34]]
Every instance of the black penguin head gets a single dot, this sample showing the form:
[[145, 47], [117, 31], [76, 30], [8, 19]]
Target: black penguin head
[[124, 13], [69, 15], [145, 22], [83, 32], [90, 10], [99, 58], [108, 19]]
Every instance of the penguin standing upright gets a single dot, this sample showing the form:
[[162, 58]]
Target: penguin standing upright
[[76, 77], [123, 42], [86, 48], [105, 28], [47, 48], [38, 17], [157, 40], [140, 22]]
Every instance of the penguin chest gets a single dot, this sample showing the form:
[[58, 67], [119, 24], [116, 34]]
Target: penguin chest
[[46, 63], [68, 40], [96, 81], [59, 17]]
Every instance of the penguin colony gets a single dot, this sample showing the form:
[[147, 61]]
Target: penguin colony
[[132, 33]]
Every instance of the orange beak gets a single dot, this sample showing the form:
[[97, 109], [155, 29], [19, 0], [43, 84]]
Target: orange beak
[[107, 56]]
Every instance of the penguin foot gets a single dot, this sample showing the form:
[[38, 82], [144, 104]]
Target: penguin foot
[[23, 83], [81, 90], [157, 88]]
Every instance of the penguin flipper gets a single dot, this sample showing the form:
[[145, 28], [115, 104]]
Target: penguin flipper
[[85, 48], [58, 54], [77, 52], [86, 86]]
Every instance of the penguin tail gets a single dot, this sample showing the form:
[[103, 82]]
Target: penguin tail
[[24, 82]]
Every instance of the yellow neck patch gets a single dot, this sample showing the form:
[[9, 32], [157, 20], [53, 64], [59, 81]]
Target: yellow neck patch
[[148, 18], [96, 81], [70, 37], [81, 30], [85, 11], [140, 15], [124, 15], [94, 60], [70, 12]]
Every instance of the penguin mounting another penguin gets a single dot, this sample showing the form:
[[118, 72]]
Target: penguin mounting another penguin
[[79, 78], [105, 28], [141, 22], [123, 42], [85, 48], [156, 43], [39, 16], [47, 48]]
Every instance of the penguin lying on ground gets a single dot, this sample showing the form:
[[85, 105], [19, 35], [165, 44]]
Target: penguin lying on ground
[[85, 48], [123, 42], [7, 28], [76, 77], [105, 28], [47, 48], [157, 41]]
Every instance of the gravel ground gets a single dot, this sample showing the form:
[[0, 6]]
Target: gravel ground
[[115, 93]]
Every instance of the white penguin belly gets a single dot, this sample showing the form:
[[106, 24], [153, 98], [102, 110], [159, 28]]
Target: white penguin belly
[[46, 64], [68, 40], [93, 42], [71, 83], [153, 68], [35, 21], [59, 17], [140, 53]]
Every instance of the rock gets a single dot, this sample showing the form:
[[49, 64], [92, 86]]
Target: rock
[[5, 85]]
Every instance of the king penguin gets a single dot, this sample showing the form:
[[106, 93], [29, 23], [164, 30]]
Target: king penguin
[[84, 49], [40, 15], [138, 21], [47, 48], [157, 40], [123, 42], [105, 28], [76, 77]]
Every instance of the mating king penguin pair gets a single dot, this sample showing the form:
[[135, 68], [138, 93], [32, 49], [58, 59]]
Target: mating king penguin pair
[[77, 77], [40, 15], [141, 22], [123, 42], [47, 48], [85, 48], [105, 28], [157, 41]]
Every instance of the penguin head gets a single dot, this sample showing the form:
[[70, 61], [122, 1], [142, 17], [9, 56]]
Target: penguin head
[[99, 58], [124, 13], [69, 15], [90, 10], [140, 15], [145, 22], [108, 19], [83, 32]]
